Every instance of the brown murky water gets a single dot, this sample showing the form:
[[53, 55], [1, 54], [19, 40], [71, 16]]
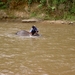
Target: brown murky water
[[53, 53]]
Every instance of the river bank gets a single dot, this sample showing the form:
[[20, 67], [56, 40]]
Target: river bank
[[60, 22], [32, 20], [35, 20], [20, 16]]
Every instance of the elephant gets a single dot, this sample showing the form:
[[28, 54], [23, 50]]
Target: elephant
[[25, 33]]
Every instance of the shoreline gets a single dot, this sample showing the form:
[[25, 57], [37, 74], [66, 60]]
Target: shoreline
[[38, 20], [60, 22]]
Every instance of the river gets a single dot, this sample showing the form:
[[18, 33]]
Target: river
[[52, 53]]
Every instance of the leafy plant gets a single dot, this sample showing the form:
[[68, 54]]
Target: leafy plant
[[29, 2], [33, 14], [43, 2]]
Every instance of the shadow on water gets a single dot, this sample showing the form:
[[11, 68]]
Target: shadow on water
[[53, 53]]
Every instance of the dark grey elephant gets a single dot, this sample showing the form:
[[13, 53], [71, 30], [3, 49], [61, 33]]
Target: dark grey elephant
[[25, 33]]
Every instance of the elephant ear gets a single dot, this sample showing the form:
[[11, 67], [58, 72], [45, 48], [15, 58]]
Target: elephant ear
[[22, 33]]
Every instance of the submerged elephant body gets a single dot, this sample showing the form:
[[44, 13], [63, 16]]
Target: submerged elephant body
[[25, 33], [22, 33]]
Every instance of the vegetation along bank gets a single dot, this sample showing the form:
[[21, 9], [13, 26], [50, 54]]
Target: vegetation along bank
[[41, 9]]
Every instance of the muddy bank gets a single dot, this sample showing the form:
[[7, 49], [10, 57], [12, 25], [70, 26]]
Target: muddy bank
[[59, 22], [13, 15], [34, 20]]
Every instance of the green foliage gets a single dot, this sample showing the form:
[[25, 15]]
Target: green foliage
[[33, 14], [73, 8], [29, 2], [43, 2], [40, 6], [2, 5], [62, 1], [55, 2], [47, 17], [53, 8]]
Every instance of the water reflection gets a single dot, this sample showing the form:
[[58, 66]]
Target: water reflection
[[51, 54]]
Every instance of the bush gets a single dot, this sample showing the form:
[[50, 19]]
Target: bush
[[3, 5]]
